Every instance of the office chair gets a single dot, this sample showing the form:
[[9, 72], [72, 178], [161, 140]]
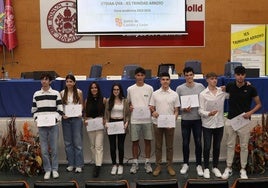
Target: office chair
[[201, 183], [107, 184], [56, 184], [170, 183], [250, 183], [14, 184], [26, 75], [95, 71], [129, 71], [195, 64], [164, 68], [230, 67]]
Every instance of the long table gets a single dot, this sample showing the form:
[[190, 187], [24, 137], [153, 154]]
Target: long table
[[16, 94]]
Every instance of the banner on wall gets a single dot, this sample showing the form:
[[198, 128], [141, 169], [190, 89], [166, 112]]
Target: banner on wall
[[195, 16], [248, 45], [58, 25]]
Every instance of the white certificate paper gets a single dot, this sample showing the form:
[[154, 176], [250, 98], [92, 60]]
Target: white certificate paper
[[239, 122], [94, 124], [166, 121], [189, 101], [141, 113], [73, 110], [46, 120], [115, 127]]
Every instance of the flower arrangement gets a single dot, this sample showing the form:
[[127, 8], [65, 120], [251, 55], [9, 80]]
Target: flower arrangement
[[257, 149], [21, 152]]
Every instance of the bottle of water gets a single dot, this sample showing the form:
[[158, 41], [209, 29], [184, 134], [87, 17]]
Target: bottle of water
[[169, 70]]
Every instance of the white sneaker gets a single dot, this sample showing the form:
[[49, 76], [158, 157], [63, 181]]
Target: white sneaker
[[78, 169], [134, 168], [148, 168], [243, 174], [70, 168], [47, 175], [206, 173], [114, 170], [184, 168], [227, 173], [199, 170], [120, 170], [216, 172], [55, 174]]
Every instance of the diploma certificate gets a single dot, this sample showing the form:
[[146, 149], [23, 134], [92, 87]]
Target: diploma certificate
[[166, 121], [115, 127], [73, 110], [94, 124]]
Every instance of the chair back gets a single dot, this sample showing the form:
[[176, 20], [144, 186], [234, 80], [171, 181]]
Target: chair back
[[164, 68], [195, 64], [56, 184], [107, 184], [26, 75], [250, 183], [14, 184], [170, 183], [95, 71], [200, 183], [230, 67], [129, 71]]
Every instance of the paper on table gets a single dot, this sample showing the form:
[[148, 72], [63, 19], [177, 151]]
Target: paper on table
[[140, 113], [46, 120], [115, 127], [73, 110], [239, 122], [189, 101], [166, 121], [94, 124]]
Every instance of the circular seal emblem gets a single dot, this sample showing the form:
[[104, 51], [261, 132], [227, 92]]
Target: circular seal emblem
[[9, 27], [61, 22]]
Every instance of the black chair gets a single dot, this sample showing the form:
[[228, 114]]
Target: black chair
[[26, 75], [56, 184], [195, 64], [14, 184], [129, 71], [170, 183], [37, 74], [230, 67], [95, 71], [251, 183], [201, 183], [107, 184], [164, 68]]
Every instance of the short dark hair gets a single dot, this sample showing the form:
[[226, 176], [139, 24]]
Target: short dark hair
[[188, 69], [140, 70], [211, 75], [240, 70], [164, 74], [46, 75]]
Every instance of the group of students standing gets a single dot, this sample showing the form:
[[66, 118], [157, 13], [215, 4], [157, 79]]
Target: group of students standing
[[149, 113]]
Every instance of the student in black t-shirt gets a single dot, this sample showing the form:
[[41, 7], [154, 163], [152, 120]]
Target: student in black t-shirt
[[241, 95]]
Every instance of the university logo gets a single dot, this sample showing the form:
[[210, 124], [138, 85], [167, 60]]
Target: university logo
[[61, 22]]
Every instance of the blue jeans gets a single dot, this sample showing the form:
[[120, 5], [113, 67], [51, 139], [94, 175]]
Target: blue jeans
[[186, 127], [73, 140], [49, 147], [208, 135]]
